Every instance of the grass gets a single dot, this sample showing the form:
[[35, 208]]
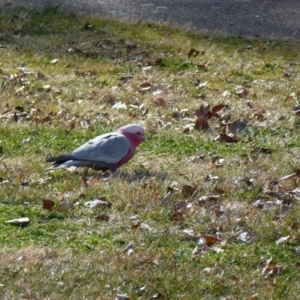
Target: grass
[[65, 78]]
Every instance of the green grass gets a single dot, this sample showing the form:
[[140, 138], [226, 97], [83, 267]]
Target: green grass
[[62, 77]]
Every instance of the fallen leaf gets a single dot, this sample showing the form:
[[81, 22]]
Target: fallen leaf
[[243, 93], [87, 26], [218, 107], [94, 181], [271, 268], [216, 249], [126, 77], [48, 204], [188, 190], [289, 176], [189, 234], [210, 240], [120, 105], [102, 218], [209, 199], [122, 296], [201, 85], [210, 178], [84, 180], [218, 190], [98, 203], [166, 201], [202, 111], [202, 66], [218, 161], [227, 139], [139, 289], [20, 221], [177, 217], [172, 189], [182, 206], [282, 239], [160, 102], [238, 125], [136, 226], [201, 123], [145, 86], [193, 52], [158, 296], [262, 150], [54, 61], [245, 237], [65, 206], [129, 249], [40, 76]]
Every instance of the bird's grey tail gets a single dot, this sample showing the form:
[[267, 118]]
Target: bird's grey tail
[[68, 164]]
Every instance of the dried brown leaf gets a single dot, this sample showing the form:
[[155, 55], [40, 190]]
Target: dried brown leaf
[[218, 107], [219, 190], [250, 104], [201, 123], [136, 226], [202, 66], [84, 180], [182, 206], [65, 206], [48, 204], [172, 189], [177, 217], [98, 203], [227, 138], [238, 125], [188, 190], [102, 218], [202, 111], [129, 249], [145, 84], [262, 150], [94, 181], [271, 268], [193, 52], [243, 93], [160, 102], [159, 296], [210, 240], [209, 199], [166, 201], [210, 178]]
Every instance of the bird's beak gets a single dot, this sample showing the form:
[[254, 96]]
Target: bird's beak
[[143, 137]]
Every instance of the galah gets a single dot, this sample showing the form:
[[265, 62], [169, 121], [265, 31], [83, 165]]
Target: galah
[[105, 152]]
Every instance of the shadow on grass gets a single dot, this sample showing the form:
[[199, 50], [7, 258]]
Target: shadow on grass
[[140, 175], [135, 176]]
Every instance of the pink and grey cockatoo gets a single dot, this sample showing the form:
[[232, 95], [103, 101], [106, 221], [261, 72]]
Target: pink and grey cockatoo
[[105, 152]]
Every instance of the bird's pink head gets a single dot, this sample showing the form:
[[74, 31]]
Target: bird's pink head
[[135, 133]]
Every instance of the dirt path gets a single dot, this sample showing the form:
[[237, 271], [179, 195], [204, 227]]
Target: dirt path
[[265, 18]]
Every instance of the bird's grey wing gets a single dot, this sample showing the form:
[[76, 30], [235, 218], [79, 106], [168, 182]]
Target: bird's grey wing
[[109, 148]]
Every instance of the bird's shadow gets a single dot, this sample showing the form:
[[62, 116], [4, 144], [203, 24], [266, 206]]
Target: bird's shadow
[[132, 177]]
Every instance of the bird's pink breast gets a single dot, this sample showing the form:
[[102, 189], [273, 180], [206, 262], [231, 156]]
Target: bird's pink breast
[[135, 141]]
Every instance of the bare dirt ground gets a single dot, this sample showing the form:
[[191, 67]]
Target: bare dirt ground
[[264, 18]]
